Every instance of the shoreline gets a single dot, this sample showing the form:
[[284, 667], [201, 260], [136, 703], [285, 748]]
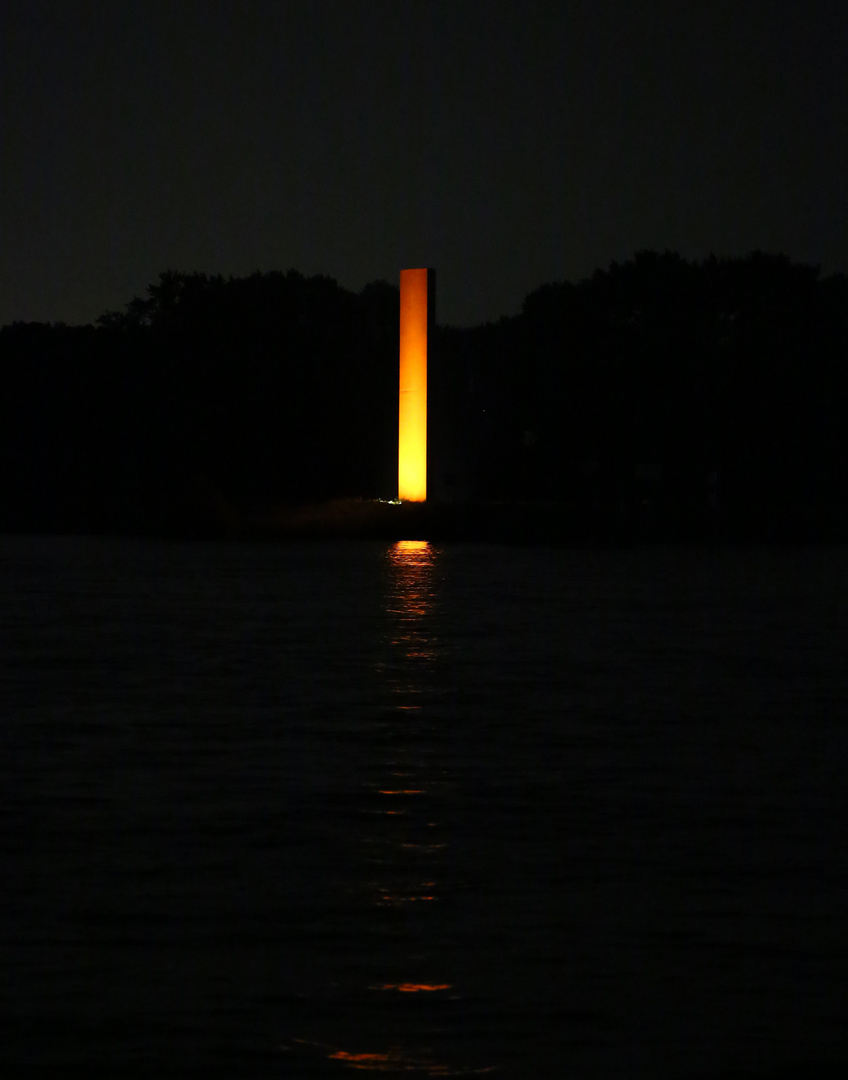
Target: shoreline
[[538, 523], [511, 523]]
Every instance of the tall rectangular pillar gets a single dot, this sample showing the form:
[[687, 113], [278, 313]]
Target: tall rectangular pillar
[[417, 311]]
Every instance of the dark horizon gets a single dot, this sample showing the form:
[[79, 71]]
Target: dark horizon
[[103, 315], [131, 304]]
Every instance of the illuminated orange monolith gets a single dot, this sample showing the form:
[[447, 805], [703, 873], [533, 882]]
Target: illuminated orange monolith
[[417, 295]]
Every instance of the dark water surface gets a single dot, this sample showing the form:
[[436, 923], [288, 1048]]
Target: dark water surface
[[315, 811]]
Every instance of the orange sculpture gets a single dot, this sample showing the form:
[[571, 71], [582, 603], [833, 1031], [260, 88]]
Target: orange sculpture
[[416, 321]]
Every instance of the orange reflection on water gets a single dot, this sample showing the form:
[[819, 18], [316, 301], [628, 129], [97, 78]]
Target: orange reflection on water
[[394, 899], [395, 1062], [402, 875], [357, 1059], [389, 1063], [405, 551], [409, 602], [412, 558], [412, 563], [392, 1060]]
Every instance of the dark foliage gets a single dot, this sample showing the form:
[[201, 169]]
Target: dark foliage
[[657, 389]]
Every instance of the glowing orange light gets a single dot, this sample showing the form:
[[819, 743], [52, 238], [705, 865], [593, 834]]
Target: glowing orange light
[[366, 1062], [414, 988], [344, 1055], [404, 548], [415, 309], [396, 899], [395, 1062]]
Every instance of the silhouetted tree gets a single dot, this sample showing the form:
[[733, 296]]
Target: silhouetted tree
[[656, 387]]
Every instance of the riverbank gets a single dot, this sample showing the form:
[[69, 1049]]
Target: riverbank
[[541, 523]]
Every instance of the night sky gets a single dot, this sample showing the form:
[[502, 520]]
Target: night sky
[[505, 143]]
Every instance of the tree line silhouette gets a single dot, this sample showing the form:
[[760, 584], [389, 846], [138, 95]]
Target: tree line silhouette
[[658, 390]]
